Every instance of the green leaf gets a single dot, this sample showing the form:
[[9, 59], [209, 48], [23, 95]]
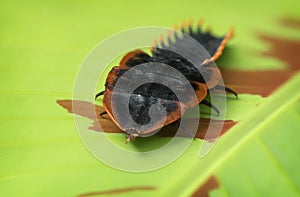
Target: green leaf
[[260, 155], [43, 43]]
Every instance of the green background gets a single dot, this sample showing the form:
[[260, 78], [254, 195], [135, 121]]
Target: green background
[[42, 45]]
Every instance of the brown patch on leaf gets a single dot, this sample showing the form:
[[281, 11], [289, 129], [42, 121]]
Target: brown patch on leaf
[[266, 82], [290, 22], [91, 111], [203, 191], [284, 50], [117, 191], [255, 82], [203, 124]]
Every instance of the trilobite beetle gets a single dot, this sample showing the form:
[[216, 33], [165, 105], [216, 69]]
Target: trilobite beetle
[[143, 97]]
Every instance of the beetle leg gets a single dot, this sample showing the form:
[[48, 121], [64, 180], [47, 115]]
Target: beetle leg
[[209, 104], [102, 113], [220, 87], [99, 94]]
